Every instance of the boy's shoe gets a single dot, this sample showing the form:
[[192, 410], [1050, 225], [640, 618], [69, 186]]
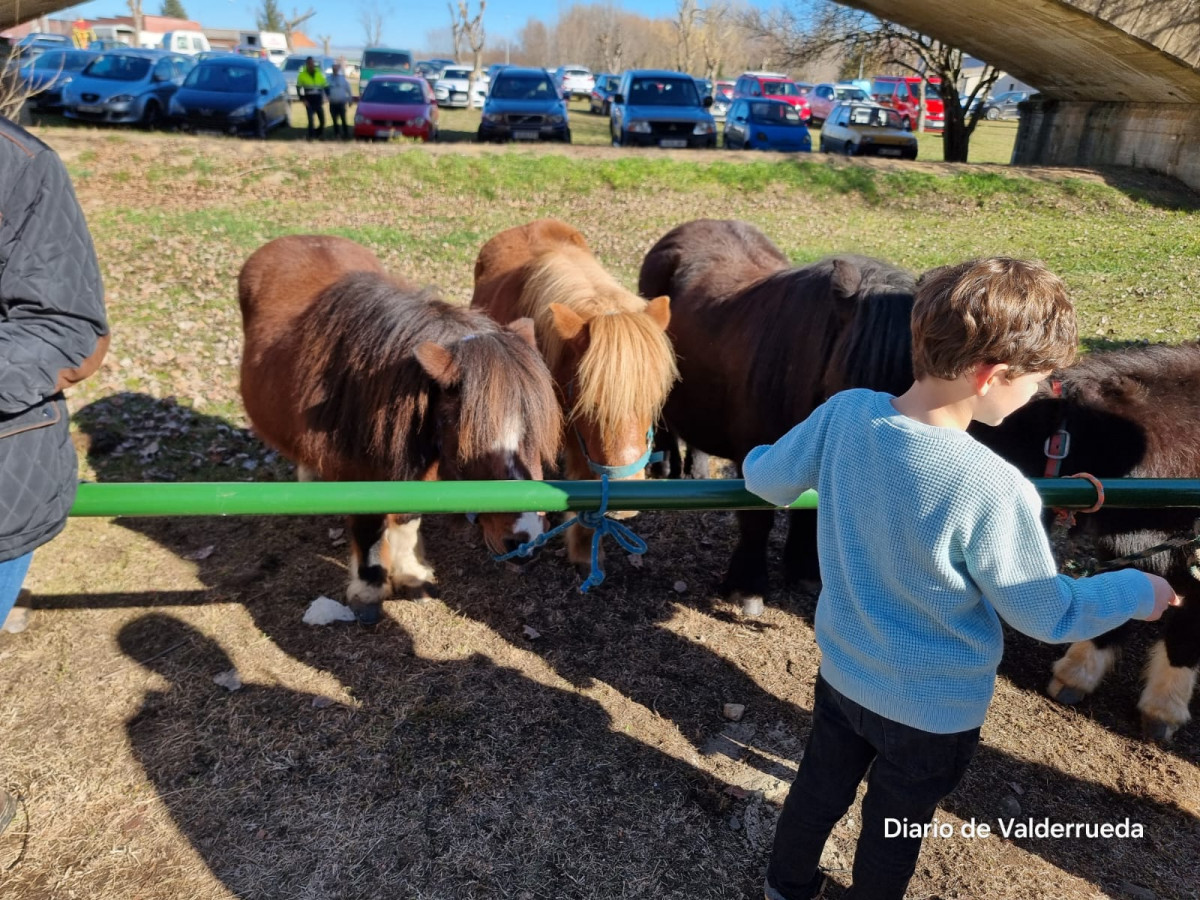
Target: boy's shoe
[[8, 808], [818, 889]]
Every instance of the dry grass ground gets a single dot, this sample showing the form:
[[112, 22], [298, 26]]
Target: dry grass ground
[[513, 739]]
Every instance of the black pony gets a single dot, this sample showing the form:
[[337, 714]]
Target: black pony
[[760, 344], [1128, 414]]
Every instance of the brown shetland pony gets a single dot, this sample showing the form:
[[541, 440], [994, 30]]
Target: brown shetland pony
[[605, 346], [762, 343], [356, 375]]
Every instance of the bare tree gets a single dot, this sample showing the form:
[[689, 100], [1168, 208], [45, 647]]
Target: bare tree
[[716, 36], [473, 34], [371, 17], [611, 44], [297, 19], [14, 90], [456, 31], [687, 13], [800, 37], [325, 40], [135, 10]]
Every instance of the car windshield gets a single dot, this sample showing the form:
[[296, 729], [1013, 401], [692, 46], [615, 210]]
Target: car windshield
[[663, 92], [294, 64], [610, 83], [774, 114], [931, 91], [524, 87], [576, 73], [724, 91], [63, 60], [781, 89], [457, 73], [118, 67], [396, 92], [850, 94], [386, 59], [222, 78], [880, 118]]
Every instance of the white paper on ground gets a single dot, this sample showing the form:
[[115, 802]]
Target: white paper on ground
[[326, 611]]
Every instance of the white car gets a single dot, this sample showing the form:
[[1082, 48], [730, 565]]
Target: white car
[[574, 81], [456, 89]]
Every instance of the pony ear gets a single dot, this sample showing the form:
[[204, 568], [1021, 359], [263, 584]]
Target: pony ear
[[659, 310], [568, 323], [438, 363], [523, 328], [847, 278]]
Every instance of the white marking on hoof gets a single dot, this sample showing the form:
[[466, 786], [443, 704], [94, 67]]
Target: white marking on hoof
[[1168, 690], [1081, 668], [304, 473], [404, 555], [359, 593]]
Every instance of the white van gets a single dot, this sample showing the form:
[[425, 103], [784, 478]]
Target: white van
[[270, 44], [183, 41]]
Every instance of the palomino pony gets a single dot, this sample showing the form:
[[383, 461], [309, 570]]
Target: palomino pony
[[605, 346], [760, 345], [356, 375], [1132, 413]]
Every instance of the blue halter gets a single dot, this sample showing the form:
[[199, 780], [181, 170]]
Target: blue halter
[[650, 456], [600, 524]]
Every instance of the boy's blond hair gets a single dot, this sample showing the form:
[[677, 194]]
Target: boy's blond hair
[[988, 311]]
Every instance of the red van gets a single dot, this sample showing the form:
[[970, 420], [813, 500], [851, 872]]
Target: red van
[[903, 94]]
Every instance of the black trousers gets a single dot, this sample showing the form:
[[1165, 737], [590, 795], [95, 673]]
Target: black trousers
[[338, 111], [910, 772], [316, 113]]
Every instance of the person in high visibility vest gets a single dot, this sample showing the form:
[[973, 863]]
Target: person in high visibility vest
[[312, 86]]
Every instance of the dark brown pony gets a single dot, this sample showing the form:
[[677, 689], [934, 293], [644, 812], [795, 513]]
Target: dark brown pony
[[605, 346], [760, 344], [1132, 413], [356, 375]]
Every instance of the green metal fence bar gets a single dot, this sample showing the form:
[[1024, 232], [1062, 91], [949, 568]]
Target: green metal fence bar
[[322, 498]]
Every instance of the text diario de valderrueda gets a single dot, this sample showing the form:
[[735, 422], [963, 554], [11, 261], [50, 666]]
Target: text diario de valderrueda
[[1012, 828]]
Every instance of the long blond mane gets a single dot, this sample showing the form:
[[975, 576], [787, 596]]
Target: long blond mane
[[629, 365]]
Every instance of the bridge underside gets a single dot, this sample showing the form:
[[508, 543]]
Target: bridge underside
[[1120, 80]]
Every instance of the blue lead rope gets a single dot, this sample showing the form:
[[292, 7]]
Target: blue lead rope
[[600, 524]]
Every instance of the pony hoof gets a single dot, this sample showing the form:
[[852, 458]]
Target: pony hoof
[[368, 614], [1157, 730], [1065, 694]]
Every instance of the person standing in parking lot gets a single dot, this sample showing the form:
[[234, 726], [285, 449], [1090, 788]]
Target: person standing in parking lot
[[312, 86], [339, 97]]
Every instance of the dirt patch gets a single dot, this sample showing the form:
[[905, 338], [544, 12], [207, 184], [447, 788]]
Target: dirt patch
[[513, 738]]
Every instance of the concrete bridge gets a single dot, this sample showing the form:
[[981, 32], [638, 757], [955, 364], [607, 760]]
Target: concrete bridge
[[1120, 79]]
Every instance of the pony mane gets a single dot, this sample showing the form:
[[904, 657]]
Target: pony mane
[[629, 366], [367, 395]]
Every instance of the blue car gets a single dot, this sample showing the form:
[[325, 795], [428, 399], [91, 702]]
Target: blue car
[[660, 108], [524, 105], [232, 94], [126, 86], [46, 74], [766, 125]]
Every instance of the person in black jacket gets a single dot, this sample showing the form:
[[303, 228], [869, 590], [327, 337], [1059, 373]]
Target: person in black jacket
[[53, 333]]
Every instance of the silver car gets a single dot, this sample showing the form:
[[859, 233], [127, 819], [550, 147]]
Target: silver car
[[126, 86]]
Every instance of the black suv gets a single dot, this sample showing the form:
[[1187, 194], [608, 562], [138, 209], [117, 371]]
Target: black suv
[[524, 105]]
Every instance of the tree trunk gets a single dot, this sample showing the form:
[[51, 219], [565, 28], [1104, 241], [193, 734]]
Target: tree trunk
[[956, 139]]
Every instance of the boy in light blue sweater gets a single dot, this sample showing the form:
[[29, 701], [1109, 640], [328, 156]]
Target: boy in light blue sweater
[[926, 540]]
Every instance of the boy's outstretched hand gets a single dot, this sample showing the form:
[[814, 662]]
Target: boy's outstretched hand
[[1164, 596]]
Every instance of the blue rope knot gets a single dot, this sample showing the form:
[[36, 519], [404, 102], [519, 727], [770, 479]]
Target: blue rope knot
[[600, 524]]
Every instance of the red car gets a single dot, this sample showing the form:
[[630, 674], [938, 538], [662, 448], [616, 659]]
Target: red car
[[903, 94], [396, 106], [774, 86]]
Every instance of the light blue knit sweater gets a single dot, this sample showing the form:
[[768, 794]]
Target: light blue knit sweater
[[926, 538]]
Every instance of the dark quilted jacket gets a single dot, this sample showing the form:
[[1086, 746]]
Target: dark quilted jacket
[[51, 319]]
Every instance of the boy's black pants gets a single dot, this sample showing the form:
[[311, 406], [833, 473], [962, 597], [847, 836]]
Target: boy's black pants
[[910, 772]]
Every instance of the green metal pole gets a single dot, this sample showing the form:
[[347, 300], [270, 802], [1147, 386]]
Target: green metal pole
[[323, 498]]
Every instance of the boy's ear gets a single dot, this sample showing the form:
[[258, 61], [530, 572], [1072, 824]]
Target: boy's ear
[[987, 374]]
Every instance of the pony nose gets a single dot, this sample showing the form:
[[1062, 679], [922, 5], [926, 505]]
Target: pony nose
[[511, 544]]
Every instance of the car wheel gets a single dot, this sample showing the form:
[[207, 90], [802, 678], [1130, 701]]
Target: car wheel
[[824, 146], [479, 137], [567, 136], [260, 126], [849, 149], [992, 114], [604, 109], [151, 116]]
